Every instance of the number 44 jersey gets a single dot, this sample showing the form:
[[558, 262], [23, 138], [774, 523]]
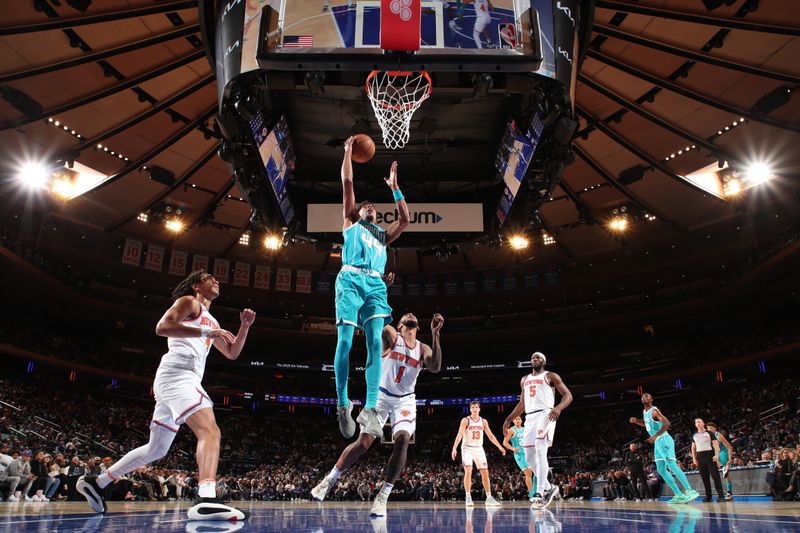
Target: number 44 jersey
[[400, 368]]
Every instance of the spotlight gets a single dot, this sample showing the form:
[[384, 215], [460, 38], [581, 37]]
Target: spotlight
[[758, 173], [142, 217], [272, 242], [174, 225], [618, 224], [518, 242], [63, 188], [548, 239], [33, 175], [732, 187], [244, 239]]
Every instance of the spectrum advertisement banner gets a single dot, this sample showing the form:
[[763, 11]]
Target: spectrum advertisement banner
[[440, 218]]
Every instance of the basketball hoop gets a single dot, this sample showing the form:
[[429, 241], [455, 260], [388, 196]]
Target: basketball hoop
[[394, 96]]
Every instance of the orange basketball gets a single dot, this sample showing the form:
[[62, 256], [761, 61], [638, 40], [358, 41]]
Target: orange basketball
[[363, 148]]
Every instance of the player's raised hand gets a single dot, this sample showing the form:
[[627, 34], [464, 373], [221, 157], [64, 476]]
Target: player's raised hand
[[247, 316], [222, 334], [348, 145], [388, 279], [632, 420], [391, 181], [436, 323]]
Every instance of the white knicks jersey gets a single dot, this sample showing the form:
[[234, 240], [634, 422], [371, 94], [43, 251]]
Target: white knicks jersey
[[400, 367], [538, 393], [481, 8], [473, 435], [190, 353]]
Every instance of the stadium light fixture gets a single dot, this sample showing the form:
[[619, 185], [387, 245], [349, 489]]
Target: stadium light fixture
[[34, 175], [518, 242], [174, 225], [272, 242], [758, 173], [244, 239], [618, 224]]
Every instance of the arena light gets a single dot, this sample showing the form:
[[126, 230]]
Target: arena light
[[63, 188], [174, 225], [518, 242], [34, 175], [548, 239], [142, 217], [731, 187], [244, 239], [272, 242], [758, 173], [618, 224]]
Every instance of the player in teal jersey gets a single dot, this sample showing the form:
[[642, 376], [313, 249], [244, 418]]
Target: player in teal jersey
[[664, 450], [361, 293], [513, 442], [725, 458]]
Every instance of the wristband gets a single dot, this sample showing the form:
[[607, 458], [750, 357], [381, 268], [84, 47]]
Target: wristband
[[398, 196], [204, 331]]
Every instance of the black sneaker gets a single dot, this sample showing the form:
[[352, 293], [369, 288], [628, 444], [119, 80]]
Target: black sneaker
[[215, 509], [87, 485], [549, 496]]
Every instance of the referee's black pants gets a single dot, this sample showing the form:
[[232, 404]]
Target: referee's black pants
[[637, 477], [707, 467]]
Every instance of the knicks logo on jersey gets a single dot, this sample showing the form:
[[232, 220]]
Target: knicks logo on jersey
[[403, 358], [405, 414]]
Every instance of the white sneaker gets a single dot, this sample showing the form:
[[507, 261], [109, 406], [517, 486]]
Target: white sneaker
[[13, 498], [44, 499], [379, 507], [320, 491], [549, 496], [491, 502], [468, 501]]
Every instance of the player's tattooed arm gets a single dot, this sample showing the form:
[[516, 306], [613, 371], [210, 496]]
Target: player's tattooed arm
[[186, 307], [433, 359], [518, 409]]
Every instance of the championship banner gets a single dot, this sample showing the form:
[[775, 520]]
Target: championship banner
[[414, 286], [199, 262], [221, 268], [431, 286], [531, 279], [450, 284], [283, 280], [322, 282], [262, 277], [303, 282], [439, 218], [155, 257], [132, 252], [470, 285], [489, 281], [241, 274], [177, 263], [509, 280]]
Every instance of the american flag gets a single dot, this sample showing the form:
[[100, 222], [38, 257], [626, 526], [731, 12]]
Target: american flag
[[298, 41]]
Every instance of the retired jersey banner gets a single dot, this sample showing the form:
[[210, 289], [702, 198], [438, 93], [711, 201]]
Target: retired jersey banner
[[221, 270], [261, 280], [322, 282], [431, 286], [509, 280], [241, 274], [441, 218], [199, 262], [155, 257], [283, 280], [303, 282], [132, 252], [177, 263]]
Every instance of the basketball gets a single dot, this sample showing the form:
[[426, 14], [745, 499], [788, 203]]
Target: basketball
[[363, 148]]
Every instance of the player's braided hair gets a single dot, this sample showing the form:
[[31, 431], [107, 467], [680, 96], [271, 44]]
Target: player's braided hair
[[184, 288]]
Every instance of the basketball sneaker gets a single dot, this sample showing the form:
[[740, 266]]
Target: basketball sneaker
[[678, 498], [491, 502], [87, 485], [215, 509], [12, 499], [368, 418], [379, 506], [689, 496], [728, 497], [344, 414], [468, 501], [549, 495], [536, 501], [320, 491]]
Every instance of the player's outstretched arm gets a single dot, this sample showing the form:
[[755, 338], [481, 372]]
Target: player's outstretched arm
[[433, 355], [403, 217], [566, 395], [492, 438], [518, 409], [232, 351], [461, 428], [507, 440], [636, 421], [348, 193], [171, 324]]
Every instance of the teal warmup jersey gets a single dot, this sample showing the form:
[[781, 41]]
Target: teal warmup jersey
[[516, 442], [360, 290], [664, 446]]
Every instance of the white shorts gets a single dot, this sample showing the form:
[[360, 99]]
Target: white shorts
[[400, 412], [179, 394], [481, 21], [474, 454], [538, 428]]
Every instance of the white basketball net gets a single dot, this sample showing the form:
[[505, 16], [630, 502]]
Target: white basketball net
[[394, 96]]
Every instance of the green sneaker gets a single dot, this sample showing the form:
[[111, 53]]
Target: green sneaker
[[678, 498], [690, 495]]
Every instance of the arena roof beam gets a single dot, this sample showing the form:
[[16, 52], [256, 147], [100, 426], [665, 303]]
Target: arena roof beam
[[557, 235], [633, 197], [694, 56], [696, 18], [641, 154], [73, 22], [213, 204], [200, 163], [716, 151], [127, 84], [580, 206], [101, 54], [175, 137], [178, 96], [689, 93]]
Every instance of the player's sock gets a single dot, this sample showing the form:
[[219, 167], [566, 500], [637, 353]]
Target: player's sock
[[335, 474], [341, 362], [372, 373], [477, 37], [542, 485], [673, 466], [667, 477], [207, 488], [386, 489], [729, 487]]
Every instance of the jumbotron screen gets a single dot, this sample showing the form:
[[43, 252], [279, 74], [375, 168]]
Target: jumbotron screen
[[277, 154]]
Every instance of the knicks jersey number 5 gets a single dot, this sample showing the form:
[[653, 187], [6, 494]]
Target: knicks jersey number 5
[[538, 393]]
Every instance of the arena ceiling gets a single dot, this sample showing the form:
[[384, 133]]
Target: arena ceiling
[[120, 85]]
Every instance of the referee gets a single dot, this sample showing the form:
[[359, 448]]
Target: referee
[[705, 455]]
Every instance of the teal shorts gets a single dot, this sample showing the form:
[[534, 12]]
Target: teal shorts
[[361, 298], [664, 448], [723, 457], [522, 463]]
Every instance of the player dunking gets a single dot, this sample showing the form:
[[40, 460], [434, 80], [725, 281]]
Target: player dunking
[[482, 20], [725, 458], [513, 442], [361, 293], [403, 357], [471, 430], [190, 330], [664, 450], [537, 401]]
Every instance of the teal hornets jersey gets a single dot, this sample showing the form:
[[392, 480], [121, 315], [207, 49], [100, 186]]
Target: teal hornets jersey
[[651, 425], [516, 440], [364, 246]]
